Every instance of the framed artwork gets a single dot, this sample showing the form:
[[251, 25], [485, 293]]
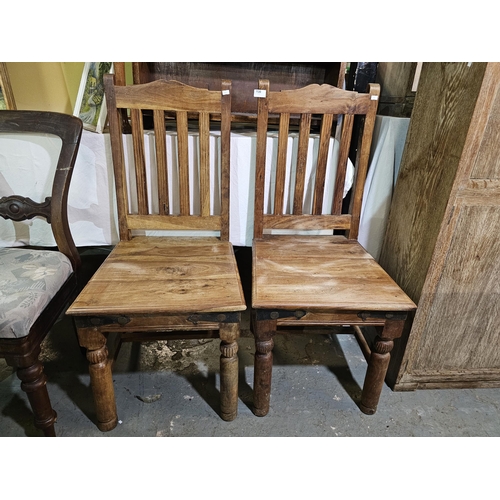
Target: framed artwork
[[90, 104], [6, 95]]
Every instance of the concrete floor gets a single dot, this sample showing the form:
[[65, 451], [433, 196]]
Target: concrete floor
[[172, 389]]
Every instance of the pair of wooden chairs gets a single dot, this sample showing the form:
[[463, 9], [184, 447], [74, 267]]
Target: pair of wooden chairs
[[169, 287]]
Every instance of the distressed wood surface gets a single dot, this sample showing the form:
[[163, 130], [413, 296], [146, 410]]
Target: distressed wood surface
[[452, 338], [164, 275], [487, 162], [321, 273], [438, 128], [466, 306]]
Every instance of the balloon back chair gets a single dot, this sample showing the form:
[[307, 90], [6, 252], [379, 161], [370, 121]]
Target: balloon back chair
[[36, 284]]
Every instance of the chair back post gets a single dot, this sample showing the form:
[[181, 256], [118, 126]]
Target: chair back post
[[115, 128], [225, 157], [363, 156], [55, 208], [260, 160], [60, 189]]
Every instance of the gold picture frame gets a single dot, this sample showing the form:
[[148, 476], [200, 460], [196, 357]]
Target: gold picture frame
[[6, 96], [90, 104]]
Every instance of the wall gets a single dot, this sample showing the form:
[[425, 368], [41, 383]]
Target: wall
[[48, 86]]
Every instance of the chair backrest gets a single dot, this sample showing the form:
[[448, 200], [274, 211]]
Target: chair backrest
[[184, 183], [55, 208], [324, 105]]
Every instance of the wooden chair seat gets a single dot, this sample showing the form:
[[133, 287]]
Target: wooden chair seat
[[165, 276], [323, 273]]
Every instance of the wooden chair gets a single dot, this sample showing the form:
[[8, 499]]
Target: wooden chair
[[37, 284], [321, 279], [165, 286]]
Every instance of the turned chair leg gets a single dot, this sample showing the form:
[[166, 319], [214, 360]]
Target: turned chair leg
[[377, 366], [101, 377], [229, 334], [101, 380], [263, 366], [34, 384]]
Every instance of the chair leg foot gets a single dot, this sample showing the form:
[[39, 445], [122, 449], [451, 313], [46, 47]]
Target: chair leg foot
[[260, 412], [367, 411], [107, 426], [228, 417], [34, 384], [375, 375]]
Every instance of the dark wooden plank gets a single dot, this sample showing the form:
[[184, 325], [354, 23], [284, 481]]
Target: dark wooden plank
[[244, 76]]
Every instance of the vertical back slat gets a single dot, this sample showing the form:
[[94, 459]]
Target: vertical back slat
[[161, 161], [204, 121], [300, 174], [225, 157], [281, 163], [324, 143], [183, 159], [362, 160], [260, 160], [139, 159], [345, 143]]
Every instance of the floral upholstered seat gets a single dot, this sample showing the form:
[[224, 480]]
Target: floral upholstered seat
[[29, 279]]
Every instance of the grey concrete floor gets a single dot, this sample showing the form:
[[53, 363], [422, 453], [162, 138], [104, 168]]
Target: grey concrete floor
[[168, 389], [172, 389]]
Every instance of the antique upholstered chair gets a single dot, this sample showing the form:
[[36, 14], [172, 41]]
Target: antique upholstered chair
[[311, 278], [157, 285], [36, 284]]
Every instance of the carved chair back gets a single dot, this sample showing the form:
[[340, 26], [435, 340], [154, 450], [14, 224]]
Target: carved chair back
[[189, 184], [329, 107]]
